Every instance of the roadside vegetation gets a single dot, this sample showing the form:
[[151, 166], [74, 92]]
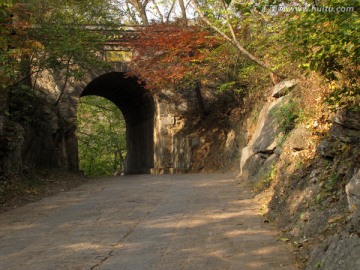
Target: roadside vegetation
[[102, 137]]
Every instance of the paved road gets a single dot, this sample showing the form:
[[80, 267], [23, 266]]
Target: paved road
[[140, 222]]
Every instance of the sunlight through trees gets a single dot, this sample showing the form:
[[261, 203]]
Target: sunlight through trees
[[102, 138]]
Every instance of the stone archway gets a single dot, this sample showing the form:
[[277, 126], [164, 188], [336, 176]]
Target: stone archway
[[137, 107]]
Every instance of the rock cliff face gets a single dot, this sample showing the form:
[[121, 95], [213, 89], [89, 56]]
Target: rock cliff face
[[342, 248], [263, 148], [314, 182]]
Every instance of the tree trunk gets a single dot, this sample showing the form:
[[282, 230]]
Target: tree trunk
[[161, 16], [141, 9], [183, 9]]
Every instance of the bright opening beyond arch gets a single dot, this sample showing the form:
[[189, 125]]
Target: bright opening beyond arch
[[101, 134], [137, 107]]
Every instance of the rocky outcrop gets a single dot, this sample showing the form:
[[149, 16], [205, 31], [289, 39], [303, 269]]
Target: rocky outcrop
[[298, 139], [33, 132], [283, 88], [263, 148], [340, 252], [262, 144], [353, 198], [353, 192], [316, 188]]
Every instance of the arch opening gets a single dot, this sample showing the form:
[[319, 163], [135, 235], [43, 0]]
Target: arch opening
[[101, 135], [137, 107]]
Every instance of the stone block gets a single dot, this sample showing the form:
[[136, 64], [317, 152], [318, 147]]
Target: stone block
[[168, 120]]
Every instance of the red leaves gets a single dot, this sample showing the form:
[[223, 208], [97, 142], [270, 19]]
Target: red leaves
[[166, 53]]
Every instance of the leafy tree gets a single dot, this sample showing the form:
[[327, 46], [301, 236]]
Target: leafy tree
[[222, 18], [52, 35], [329, 43], [102, 138], [38, 35], [326, 41], [173, 51], [173, 54]]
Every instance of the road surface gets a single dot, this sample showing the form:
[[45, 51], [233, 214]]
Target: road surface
[[168, 222]]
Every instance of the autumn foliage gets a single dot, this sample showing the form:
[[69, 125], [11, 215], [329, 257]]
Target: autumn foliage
[[167, 54]]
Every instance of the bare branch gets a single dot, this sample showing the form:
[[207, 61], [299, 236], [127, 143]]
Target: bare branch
[[161, 17], [183, 9], [170, 11], [233, 40]]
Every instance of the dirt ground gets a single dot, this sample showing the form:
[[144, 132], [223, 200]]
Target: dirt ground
[[144, 222], [17, 191]]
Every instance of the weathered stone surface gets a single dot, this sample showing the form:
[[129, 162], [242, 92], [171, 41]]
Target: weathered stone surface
[[263, 142], [265, 133], [283, 88], [349, 120], [153, 125], [298, 139], [264, 170], [230, 148], [182, 147], [246, 153], [339, 253], [345, 134], [326, 150], [251, 166], [353, 192]]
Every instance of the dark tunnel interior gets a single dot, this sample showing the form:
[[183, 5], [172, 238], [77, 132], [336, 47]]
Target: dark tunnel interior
[[137, 107]]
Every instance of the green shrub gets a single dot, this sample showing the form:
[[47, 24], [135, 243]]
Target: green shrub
[[266, 181], [287, 115], [102, 136]]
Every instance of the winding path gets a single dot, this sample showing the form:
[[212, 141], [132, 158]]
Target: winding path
[[141, 222]]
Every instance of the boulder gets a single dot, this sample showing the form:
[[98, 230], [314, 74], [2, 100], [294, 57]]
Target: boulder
[[248, 162], [298, 139], [326, 149], [350, 120], [265, 137], [339, 253], [353, 192], [344, 134], [263, 142], [283, 88]]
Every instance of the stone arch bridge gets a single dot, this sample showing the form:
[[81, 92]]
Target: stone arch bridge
[[156, 124]]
